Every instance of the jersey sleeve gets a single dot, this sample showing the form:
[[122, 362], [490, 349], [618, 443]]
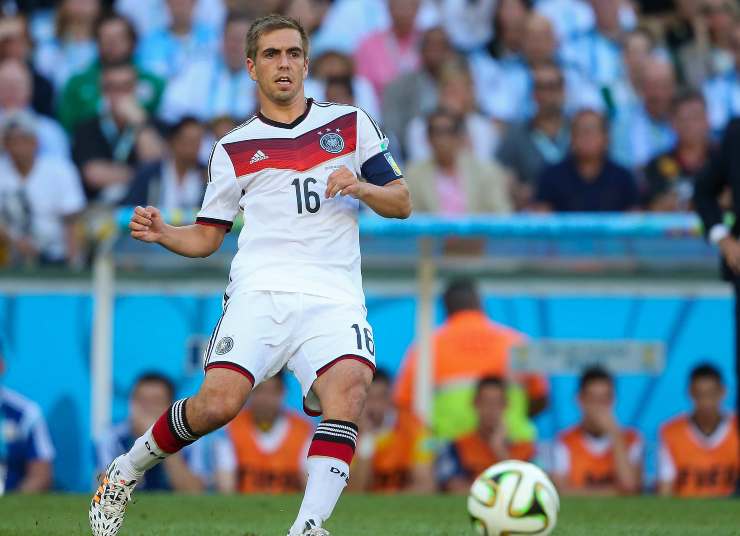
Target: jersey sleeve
[[221, 200], [561, 459], [377, 165], [666, 466]]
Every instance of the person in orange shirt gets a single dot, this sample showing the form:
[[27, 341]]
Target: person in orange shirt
[[598, 456], [699, 455], [270, 442], [469, 455], [394, 451], [465, 349]]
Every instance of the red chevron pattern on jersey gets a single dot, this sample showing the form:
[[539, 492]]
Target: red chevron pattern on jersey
[[300, 154]]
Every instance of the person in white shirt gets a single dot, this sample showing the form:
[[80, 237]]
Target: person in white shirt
[[722, 93], [40, 196], [295, 295]]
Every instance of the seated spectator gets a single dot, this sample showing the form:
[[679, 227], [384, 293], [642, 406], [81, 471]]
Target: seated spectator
[[333, 64], [198, 467], [670, 177], [339, 90], [386, 54], [271, 442], [72, 48], [107, 148], [16, 90], [178, 181], [82, 97], [573, 18], [40, 196], [469, 24], [526, 148], [466, 457], [15, 44], [681, 29], [624, 92], [148, 16], [24, 438], [699, 454], [587, 180], [466, 348], [167, 51], [415, 94], [711, 54], [456, 94], [454, 181], [393, 453], [642, 131], [208, 88], [598, 456], [722, 93]]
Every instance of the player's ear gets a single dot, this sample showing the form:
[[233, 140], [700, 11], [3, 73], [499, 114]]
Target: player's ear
[[305, 68], [251, 69]]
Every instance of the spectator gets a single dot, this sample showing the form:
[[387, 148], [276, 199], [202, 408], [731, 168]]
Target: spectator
[[220, 86], [340, 90], [40, 196], [415, 94], [682, 29], [699, 453], [167, 51], [311, 13], [82, 97], [198, 467], [394, 452], [16, 90], [623, 93], [598, 456], [270, 442], [25, 440], [670, 177], [643, 131], [178, 181], [149, 16], [528, 147], [722, 93], [15, 44], [457, 94], [72, 49], [710, 54], [385, 55], [587, 180], [466, 457], [107, 148], [454, 181], [466, 348], [333, 64], [468, 23]]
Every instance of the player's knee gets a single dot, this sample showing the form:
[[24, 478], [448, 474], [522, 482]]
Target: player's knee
[[355, 393], [215, 409]]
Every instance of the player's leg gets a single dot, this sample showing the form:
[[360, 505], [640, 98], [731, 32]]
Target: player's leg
[[341, 390]]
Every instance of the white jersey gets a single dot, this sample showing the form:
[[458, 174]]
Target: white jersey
[[295, 240]]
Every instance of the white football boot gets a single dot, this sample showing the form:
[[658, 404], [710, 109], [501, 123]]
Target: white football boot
[[108, 505]]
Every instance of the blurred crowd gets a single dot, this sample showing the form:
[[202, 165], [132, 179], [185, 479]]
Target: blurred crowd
[[493, 106], [482, 414]]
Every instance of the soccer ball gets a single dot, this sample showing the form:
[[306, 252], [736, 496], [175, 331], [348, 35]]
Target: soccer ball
[[513, 497]]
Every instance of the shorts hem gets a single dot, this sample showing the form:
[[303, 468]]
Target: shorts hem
[[312, 413], [231, 366]]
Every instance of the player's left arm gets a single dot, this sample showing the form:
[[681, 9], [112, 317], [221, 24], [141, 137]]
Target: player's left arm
[[391, 200], [627, 462]]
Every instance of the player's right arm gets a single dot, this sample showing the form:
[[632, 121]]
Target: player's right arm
[[196, 240]]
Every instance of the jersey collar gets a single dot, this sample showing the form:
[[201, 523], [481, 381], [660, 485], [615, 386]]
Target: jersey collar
[[297, 121]]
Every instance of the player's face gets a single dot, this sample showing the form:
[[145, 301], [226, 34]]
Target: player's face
[[596, 399], [378, 402], [280, 65], [490, 404], [149, 400], [707, 394], [267, 401]]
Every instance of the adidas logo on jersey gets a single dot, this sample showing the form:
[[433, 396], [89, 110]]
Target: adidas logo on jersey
[[258, 157]]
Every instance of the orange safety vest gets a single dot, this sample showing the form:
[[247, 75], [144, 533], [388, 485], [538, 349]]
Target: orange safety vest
[[476, 455], [588, 469], [396, 453], [269, 472], [701, 471]]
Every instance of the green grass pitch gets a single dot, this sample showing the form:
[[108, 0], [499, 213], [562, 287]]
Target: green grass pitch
[[359, 515]]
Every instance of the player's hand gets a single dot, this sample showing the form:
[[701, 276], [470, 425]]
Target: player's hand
[[344, 182], [146, 224], [730, 249], [606, 421]]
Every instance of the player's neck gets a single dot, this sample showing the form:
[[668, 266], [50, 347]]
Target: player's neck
[[284, 113], [707, 424]]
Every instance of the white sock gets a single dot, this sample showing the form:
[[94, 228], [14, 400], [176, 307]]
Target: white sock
[[144, 454], [327, 477]]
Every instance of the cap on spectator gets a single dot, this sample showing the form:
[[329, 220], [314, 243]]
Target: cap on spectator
[[22, 121]]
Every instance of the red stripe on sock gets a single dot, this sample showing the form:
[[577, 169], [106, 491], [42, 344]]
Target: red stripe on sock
[[340, 451], [166, 440]]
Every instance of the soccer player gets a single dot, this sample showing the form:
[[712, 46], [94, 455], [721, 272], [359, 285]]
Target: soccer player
[[394, 452], [295, 295], [270, 442], [598, 456], [698, 454], [469, 455]]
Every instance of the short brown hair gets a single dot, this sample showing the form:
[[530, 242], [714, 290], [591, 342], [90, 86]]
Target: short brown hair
[[270, 23]]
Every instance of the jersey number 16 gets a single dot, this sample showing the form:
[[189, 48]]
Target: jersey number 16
[[306, 197]]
